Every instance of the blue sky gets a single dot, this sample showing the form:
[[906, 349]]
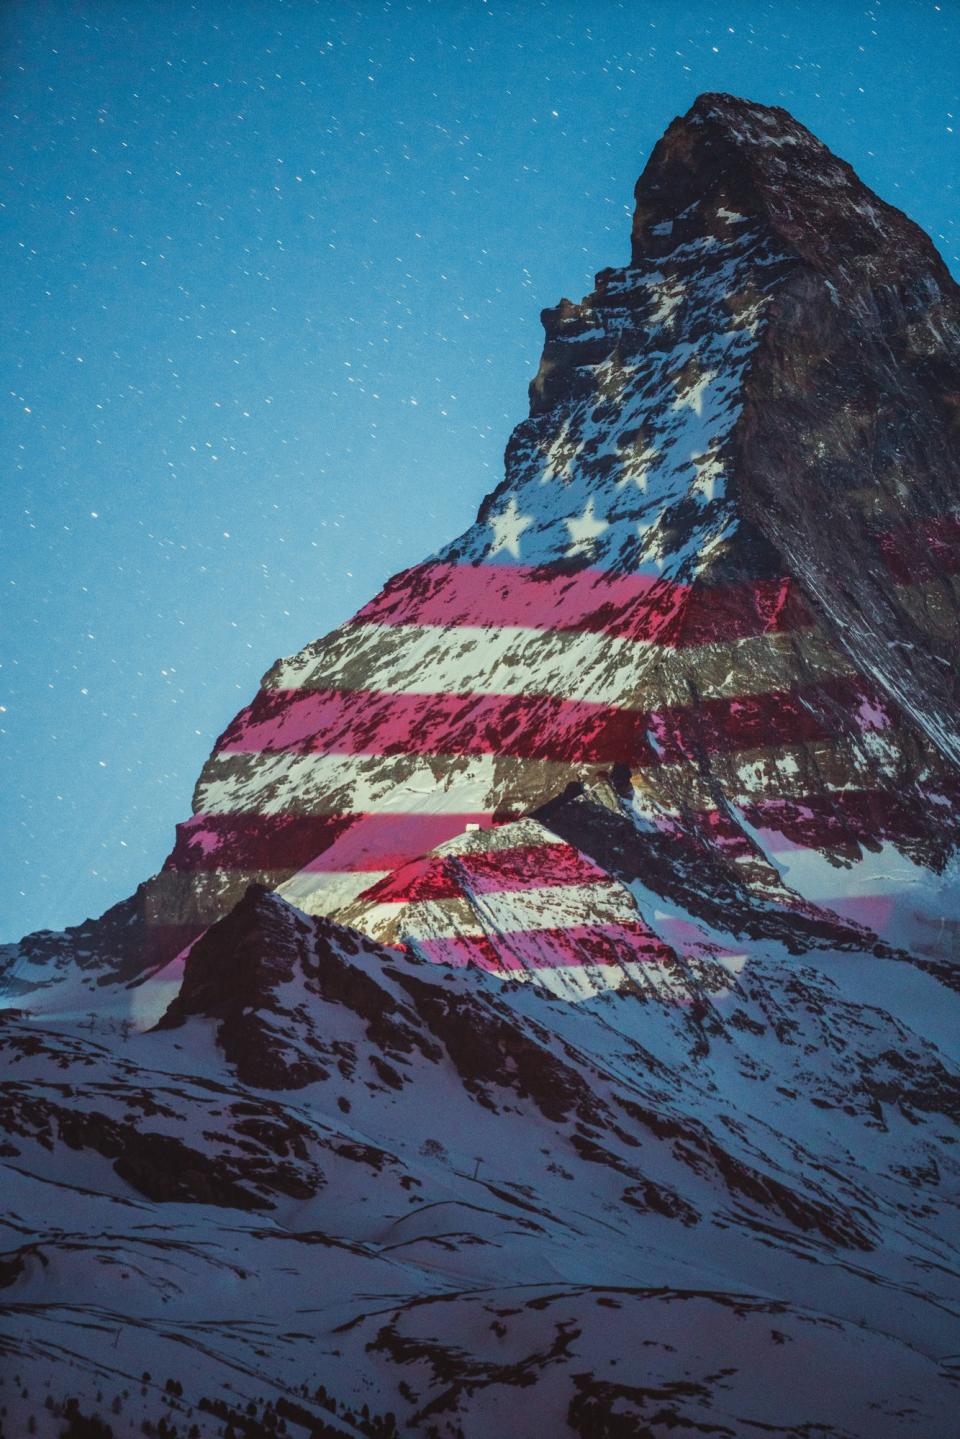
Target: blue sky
[[272, 278]]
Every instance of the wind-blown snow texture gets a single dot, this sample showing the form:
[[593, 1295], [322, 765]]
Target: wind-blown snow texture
[[546, 1023]]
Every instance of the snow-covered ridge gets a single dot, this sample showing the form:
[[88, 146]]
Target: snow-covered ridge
[[336, 1165], [621, 465]]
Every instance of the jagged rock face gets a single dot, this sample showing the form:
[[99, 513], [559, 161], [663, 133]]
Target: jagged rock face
[[721, 562]]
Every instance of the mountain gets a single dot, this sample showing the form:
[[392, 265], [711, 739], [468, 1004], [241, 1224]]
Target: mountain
[[547, 1021]]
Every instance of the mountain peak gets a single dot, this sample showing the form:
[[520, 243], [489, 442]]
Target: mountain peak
[[748, 120], [729, 157], [719, 565], [564, 946]]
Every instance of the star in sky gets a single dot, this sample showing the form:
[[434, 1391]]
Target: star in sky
[[507, 528], [584, 530]]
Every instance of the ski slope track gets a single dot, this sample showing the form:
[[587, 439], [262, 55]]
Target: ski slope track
[[546, 1023]]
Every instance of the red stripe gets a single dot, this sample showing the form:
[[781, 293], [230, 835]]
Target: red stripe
[[380, 723], [386, 841], [360, 842], [577, 945], [541, 727], [844, 817], [770, 720], [318, 843], [873, 911], [837, 820], [718, 613], [253, 841], [531, 866], [637, 607], [923, 550]]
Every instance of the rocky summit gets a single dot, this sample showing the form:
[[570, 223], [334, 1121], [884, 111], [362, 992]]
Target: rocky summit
[[547, 1021]]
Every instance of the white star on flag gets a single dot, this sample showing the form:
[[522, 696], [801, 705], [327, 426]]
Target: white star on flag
[[651, 551], [507, 528], [584, 530], [709, 471], [638, 468], [693, 396]]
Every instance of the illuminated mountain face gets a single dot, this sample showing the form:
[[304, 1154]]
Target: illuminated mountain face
[[721, 563], [547, 1021]]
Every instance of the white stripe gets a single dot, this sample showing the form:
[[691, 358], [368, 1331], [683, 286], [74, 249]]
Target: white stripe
[[286, 783], [325, 892], [558, 906], [519, 833], [468, 659], [573, 665], [509, 911]]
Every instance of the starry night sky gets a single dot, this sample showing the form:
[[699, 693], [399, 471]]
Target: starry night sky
[[272, 278]]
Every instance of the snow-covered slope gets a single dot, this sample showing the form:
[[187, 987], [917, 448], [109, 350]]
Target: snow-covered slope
[[547, 1022], [479, 1206]]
